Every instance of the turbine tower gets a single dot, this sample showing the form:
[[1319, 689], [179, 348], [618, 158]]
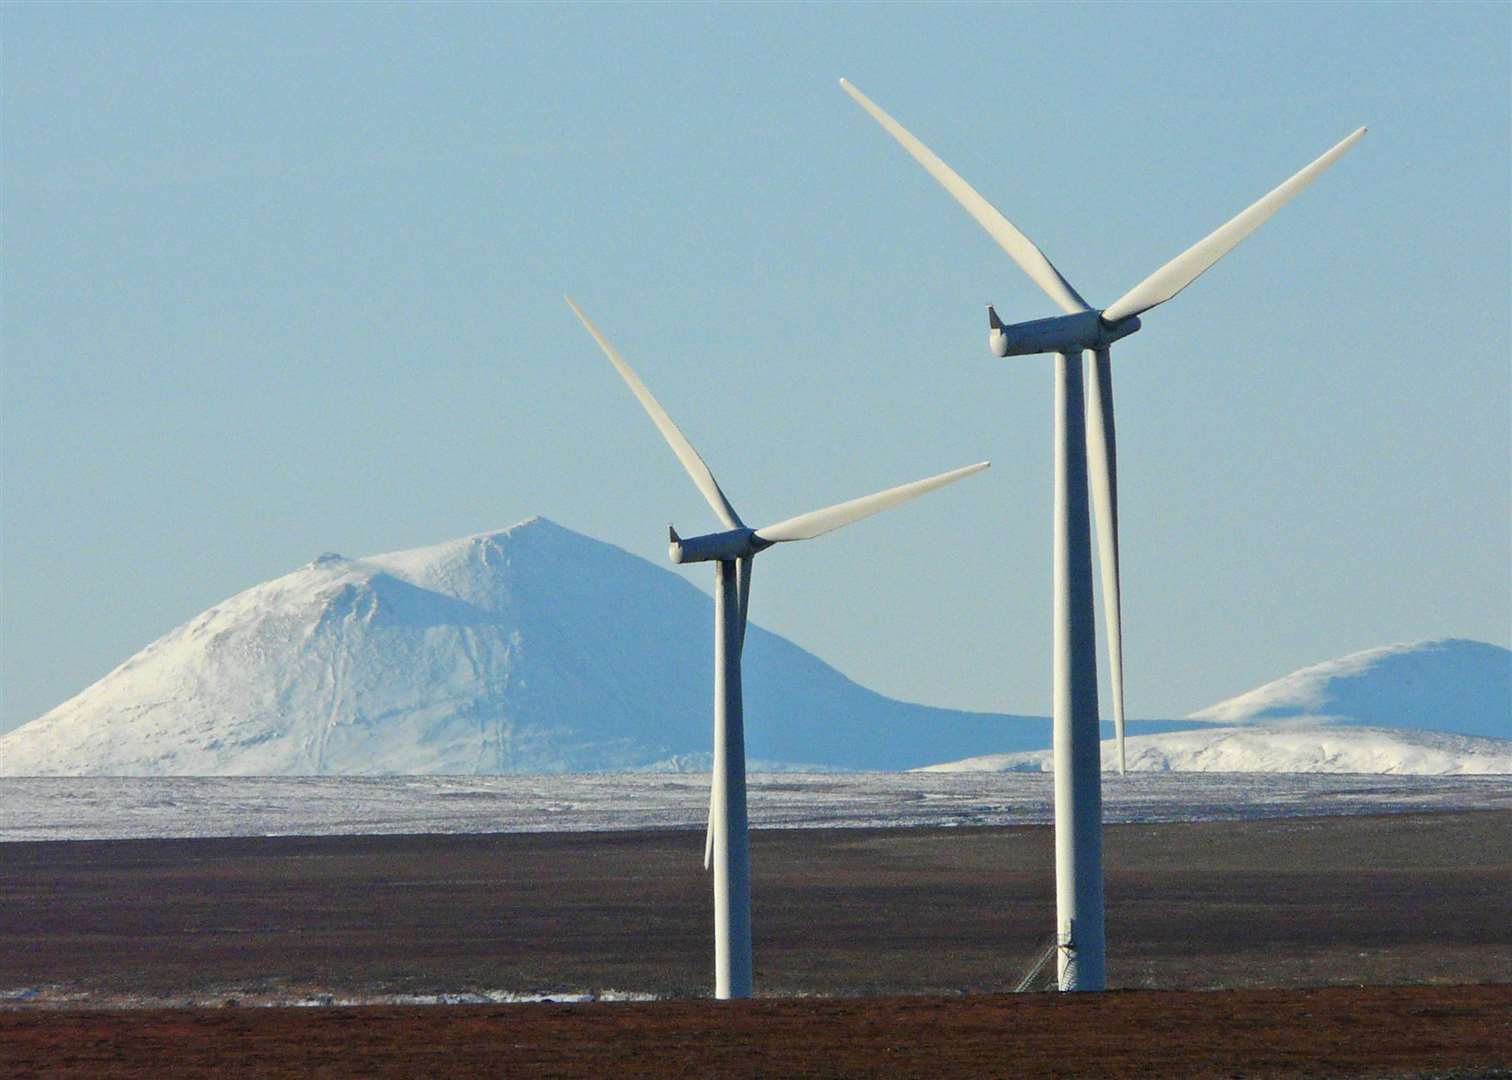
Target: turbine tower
[[1084, 428], [726, 848]]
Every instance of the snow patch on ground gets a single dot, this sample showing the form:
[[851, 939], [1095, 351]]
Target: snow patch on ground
[[56, 808], [1281, 748], [58, 997]]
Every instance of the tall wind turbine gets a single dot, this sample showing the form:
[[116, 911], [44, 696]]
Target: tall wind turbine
[[1083, 428], [732, 552]]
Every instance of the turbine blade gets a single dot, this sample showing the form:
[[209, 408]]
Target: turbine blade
[[1020, 248], [1185, 268], [818, 522], [709, 832], [1102, 468], [702, 478], [743, 594]]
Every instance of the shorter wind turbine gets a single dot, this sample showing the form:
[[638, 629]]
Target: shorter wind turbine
[[731, 552]]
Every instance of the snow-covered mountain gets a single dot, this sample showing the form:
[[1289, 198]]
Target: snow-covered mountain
[[534, 649], [1449, 685], [538, 649], [1426, 707], [1282, 748]]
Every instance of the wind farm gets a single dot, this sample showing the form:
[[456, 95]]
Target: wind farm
[[375, 700]]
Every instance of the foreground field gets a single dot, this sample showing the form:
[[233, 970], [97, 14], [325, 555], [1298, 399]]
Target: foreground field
[[1411, 898], [1334, 1032]]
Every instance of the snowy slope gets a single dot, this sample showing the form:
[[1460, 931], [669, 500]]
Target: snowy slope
[[534, 649], [538, 649], [1421, 708], [1282, 748], [1449, 685]]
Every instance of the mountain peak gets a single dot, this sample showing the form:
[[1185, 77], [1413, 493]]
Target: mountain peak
[[489, 552], [533, 525]]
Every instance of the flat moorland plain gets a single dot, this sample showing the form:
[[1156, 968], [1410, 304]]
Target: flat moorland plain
[[1259, 948], [1395, 899]]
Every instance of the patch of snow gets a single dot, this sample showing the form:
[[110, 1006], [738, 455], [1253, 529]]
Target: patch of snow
[[102, 808], [1281, 748], [304, 997]]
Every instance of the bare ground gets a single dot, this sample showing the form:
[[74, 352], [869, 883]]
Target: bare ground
[[1332, 1032], [1281, 902], [956, 913]]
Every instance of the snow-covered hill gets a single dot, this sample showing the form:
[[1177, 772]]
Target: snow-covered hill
[[1427, 707], [534, 649], [538, 649], [1282, 748], [1449, 685]]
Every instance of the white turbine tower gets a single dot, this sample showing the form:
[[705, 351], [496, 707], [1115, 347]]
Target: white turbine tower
[[726, 848], [1083, 428]]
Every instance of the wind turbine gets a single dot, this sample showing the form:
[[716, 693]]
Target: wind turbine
[[732, 552], [1084, 427]]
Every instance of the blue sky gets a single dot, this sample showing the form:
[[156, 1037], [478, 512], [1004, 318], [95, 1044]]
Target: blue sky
[[284, 279]]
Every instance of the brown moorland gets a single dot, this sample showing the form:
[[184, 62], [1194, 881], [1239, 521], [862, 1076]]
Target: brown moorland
[[1410, 898], [1330, 1032], [1272, 908]]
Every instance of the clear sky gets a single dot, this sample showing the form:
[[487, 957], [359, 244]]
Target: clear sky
[[283, 279]]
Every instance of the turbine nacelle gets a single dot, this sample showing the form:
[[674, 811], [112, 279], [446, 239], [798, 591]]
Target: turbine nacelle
[[1070, 334], [715, 547]]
